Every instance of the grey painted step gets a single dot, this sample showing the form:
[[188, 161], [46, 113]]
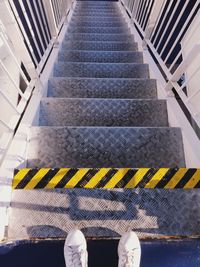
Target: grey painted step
[[103, 112], [105, 147], [99, 37], [101, 56], [99, 46], [108, 30], [101, 70], [97, 24], [102, 88]]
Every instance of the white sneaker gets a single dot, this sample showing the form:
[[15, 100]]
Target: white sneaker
[[129, 250], [75, 250]]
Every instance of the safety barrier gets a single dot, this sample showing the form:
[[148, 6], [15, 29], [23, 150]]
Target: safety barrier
[[28, 32], [169, 30], [106, 178]]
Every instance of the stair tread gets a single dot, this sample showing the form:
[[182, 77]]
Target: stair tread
[[103, 112], [100, 56], [102, 87], [105, 147], [99, 19], [108, 30], [97, 24], [99, 37], [101, 70], [99, 46], [105, 213]]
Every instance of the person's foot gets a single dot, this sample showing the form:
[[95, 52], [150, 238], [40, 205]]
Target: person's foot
[[129, 250], [75, 250]]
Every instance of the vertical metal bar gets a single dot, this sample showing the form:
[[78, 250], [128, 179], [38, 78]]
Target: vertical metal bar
[[35, 23], [182, 30], [40, 21], [23, 32], [29, 24], [145, 13], [166, 27], [141, 8], [158, 19], [174, 61], [44, 19], [163, 19], [138, 8], [174, 26]]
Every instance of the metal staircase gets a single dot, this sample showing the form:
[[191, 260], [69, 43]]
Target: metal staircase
[[102, 111]]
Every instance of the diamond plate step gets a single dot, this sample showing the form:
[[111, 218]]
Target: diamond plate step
[[108, 30], [103, 112], [96, 8], [95, 12], [97, 24], [102, 88], [111, 10], [105, 147], [101, 70], [96, 3], [100, 19], [99, 37], [104, 213], [101, 56], [99, 46]]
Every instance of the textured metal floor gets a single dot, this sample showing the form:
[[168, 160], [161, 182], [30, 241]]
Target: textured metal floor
[[104, 213]]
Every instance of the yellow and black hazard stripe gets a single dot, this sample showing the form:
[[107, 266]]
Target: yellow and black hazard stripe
[[106, 178]]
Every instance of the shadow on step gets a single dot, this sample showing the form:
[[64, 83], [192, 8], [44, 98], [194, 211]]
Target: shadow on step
[[104, 213]]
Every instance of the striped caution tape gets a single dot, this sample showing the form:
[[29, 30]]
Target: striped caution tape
[[106, 178]]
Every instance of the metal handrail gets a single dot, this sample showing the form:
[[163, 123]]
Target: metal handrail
[[42, 27], [158, 47]]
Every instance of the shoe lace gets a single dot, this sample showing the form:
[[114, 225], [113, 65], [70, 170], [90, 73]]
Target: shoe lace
[[128, 258], [79, 257]]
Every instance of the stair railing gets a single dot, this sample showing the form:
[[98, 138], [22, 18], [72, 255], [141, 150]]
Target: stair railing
[[28, 32], [165, 27]]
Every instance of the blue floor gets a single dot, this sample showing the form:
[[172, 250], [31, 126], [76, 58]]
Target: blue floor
[[101, 253]]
